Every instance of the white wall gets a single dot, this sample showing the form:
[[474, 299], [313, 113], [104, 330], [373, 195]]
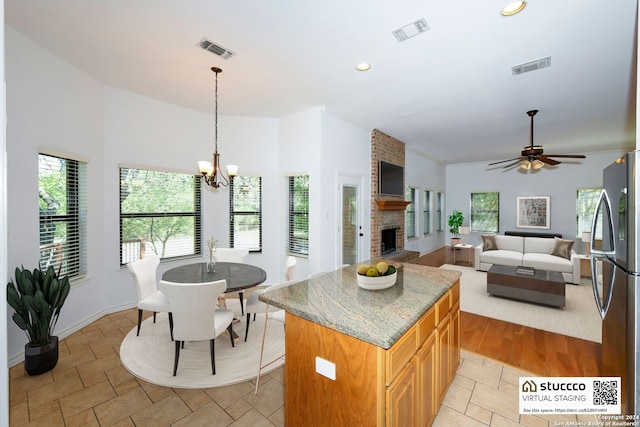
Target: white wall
[[424, 174], [4, 373], [560, 183], [54, 105]]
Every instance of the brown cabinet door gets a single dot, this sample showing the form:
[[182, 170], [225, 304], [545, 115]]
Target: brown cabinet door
[[402, 409], [455, 341], [426, 370], [444, 357]]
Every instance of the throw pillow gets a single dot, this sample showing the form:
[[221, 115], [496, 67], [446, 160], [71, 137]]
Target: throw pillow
[[562, 248], [489, 242]]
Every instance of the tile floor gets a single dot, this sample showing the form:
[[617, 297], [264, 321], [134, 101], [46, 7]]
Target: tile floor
[[90, 387]]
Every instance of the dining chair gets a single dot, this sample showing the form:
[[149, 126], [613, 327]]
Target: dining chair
[[270, 313], [232, 255], [150, 298], [196, 317], [290, 268]]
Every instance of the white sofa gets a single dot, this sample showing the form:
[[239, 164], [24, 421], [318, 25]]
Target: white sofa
[[530, 252]]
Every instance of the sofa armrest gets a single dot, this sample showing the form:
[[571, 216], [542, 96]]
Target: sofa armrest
[[476, 256], [575, 264]]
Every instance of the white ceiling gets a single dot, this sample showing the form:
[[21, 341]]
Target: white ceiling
[[448, 92]]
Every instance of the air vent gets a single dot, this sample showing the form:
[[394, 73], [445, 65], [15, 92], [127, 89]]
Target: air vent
[[531, 66], [411, 30], [215, 48]]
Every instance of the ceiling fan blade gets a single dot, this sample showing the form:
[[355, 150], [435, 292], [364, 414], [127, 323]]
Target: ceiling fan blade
[[545, 159], [508, 160], [514, 163], [568, 156]]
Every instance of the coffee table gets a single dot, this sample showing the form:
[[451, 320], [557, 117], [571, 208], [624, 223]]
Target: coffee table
[[542, 287]]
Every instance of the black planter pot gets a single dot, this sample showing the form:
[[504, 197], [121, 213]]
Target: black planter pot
[[39, 359]]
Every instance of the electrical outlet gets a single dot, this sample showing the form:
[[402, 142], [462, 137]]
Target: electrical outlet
[[326, 368]]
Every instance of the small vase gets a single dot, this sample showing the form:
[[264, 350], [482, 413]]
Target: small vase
[[211, 264]]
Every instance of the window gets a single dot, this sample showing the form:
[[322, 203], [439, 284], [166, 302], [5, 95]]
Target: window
[[585, 207], [485, 212], [160, 212], [439, 209], [426, 211], [411, 212], [63, 215], [298, 215], [245, 213]]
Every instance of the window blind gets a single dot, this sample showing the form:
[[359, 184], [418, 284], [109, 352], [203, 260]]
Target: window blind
[[159, 212], [298, 215], [426, 211], [62, 193], [411, 212], [245, 213]]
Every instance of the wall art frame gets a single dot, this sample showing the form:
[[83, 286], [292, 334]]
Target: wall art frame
[[533, 212]]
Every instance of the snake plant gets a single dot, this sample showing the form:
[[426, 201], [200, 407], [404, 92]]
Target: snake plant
[[37, 298]]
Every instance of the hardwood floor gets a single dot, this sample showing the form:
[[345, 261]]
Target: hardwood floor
[[539, 352]]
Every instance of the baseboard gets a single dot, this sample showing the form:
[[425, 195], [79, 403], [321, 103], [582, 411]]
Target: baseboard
[[18, 358]]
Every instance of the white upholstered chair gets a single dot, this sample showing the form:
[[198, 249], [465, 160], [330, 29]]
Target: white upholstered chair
[[150, 298], [232, 255], [290, 268], [195, 315]]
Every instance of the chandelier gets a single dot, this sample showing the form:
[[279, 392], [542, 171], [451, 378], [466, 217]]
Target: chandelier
[[211, 171]]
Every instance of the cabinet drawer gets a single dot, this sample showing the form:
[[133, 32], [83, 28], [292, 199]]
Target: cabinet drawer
[[400, 353], [443, 306], [426, 325]]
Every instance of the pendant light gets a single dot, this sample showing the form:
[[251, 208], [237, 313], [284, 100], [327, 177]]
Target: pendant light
[[211, 171]]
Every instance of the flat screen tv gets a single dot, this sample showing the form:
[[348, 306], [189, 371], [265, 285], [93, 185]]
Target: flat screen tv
[[391, 179]]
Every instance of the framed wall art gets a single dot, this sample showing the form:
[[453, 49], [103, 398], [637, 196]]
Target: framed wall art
[[533, 212]]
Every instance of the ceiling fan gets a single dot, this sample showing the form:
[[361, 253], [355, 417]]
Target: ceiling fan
[[532, 157]]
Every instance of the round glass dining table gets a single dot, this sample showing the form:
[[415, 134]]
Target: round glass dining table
[[238, 276]]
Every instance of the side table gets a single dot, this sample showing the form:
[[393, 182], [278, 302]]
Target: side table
[[461, 246]]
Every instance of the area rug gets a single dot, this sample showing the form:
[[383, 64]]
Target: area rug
[[150, 356], [579, 318]]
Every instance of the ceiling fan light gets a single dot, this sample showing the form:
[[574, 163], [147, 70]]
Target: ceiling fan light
[[537, 164], [526, 165]]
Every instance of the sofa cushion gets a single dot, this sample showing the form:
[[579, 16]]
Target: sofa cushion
[[547, 262], [489, 242], [562, 248], [538, 245], [503, 257], [510, 243]]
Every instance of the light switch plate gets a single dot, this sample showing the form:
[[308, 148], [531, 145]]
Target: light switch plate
[[326, 368]]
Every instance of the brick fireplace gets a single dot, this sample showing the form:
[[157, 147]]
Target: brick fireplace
[[387, 212]]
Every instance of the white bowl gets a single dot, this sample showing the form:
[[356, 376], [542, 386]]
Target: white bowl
[[377, 283]]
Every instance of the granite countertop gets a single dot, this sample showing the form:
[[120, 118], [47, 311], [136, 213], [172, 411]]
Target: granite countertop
[[380, 317]]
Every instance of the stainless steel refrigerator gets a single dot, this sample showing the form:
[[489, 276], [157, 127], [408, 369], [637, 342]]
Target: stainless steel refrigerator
[[615, 275]]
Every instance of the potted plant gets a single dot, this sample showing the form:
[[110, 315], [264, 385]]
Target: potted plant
[[455, 222], [37, 298]]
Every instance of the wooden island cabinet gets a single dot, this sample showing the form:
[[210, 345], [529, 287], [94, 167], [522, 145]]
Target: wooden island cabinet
[[369, 358]]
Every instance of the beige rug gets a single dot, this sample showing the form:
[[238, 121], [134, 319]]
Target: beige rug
[[579, 318], [150, 356]]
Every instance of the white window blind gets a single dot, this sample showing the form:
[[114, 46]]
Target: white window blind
[[411, 222], [426, 211], [62, 192], [159, 212], [298, 215], [245, 213]]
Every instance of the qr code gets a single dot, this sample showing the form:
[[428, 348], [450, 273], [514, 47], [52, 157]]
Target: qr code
[[605, 392]]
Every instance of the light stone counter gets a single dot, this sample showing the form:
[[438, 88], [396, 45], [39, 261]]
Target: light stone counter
[[381, 317]]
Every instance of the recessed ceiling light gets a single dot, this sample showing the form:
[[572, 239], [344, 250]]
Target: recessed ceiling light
[[513, 8], [363, 67]]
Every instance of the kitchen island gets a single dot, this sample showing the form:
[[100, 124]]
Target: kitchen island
[[356, 357]]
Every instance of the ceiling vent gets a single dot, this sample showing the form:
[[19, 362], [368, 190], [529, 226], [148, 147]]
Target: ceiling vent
[[411, 30], [531, 66], [215, 48]]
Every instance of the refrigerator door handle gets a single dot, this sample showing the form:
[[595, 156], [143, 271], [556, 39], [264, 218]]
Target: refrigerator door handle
[[610, 251], [598, 280]]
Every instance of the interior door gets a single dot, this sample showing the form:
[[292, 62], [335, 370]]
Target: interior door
[[350, 230]]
